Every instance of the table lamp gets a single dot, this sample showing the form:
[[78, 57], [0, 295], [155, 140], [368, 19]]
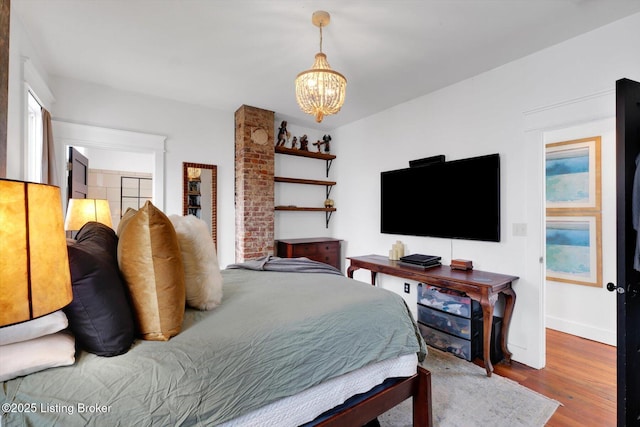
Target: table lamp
[[35, 278], [81, 211]]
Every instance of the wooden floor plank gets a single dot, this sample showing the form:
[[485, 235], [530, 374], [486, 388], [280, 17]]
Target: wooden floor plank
[[580, 374]]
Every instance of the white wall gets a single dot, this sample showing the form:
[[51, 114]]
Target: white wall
[[194, 134], [482, 115], [118, 160]]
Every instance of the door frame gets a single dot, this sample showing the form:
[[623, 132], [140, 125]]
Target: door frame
[[571, 112], [79, 135]]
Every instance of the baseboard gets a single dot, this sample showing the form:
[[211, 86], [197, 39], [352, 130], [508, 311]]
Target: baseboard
[[580, 329]]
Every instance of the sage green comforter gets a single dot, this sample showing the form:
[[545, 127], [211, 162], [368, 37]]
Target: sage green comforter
[[274, 335]]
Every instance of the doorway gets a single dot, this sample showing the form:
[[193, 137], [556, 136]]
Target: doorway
[[125, 146], [580, 235], [122, 178]]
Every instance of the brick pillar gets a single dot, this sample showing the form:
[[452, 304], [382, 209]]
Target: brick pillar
[[254, 183]]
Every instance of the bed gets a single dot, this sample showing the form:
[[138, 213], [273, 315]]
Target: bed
[[283, 348]]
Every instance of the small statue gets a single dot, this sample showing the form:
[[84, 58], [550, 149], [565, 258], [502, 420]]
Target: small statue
[[328, 203], [325, 141], [304, 143], [283, 134], [327, 146], [294, 142]]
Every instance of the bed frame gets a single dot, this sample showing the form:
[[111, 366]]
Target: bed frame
[[418, 387]]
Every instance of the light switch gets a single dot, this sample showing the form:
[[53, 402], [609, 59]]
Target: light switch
[[519, 229]]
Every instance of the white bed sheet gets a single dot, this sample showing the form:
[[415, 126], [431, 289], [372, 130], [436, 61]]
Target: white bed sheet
[[307, 405]]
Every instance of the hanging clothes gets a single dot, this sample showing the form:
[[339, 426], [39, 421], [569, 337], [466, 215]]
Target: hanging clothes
[[635, 212]]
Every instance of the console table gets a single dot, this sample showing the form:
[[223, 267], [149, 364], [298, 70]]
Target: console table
[[481, 286]]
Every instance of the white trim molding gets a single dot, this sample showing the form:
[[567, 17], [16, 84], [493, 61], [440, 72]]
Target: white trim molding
[[78, 135], [37, 84], [587, 108]]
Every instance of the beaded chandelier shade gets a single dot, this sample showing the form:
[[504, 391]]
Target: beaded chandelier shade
[[320, 91]]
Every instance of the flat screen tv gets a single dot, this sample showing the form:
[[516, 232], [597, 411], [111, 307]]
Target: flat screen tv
[[458, 199]]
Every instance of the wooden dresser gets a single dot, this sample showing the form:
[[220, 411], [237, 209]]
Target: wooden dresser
[[322, 249]]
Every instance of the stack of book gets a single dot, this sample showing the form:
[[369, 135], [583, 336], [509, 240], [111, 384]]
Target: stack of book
[[419, 260]]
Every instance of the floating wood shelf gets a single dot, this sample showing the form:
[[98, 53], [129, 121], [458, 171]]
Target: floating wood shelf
[[303, 209], [328, 184], [303, 181], [304, 153]]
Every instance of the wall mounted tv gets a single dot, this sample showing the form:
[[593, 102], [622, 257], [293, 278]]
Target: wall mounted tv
[[459, 199]]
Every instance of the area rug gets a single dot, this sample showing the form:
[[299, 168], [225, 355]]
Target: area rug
[[463, 396]]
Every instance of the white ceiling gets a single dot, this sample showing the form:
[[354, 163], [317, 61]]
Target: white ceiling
[[225, 53]]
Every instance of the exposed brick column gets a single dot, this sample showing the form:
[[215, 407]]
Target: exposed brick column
[[254, 184]]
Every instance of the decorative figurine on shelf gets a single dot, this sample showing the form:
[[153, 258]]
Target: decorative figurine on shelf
[[328, 203], [283, 135], [304, 143], [325, 141], [294, 142]]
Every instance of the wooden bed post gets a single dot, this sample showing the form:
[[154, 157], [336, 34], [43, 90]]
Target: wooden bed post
[[422, 413], [417, 386]]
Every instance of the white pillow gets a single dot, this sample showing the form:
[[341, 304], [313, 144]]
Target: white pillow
[[203, 280], [26, 357], [35, 328]]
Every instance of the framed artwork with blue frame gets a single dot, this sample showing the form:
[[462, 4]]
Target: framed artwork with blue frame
[[572, 174], [573, 246]]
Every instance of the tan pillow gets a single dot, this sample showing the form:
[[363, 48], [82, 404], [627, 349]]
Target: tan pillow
[[203, 280], [125, 220], [151, 264]]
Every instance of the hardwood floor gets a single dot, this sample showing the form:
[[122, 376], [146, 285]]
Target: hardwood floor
[[580, 374]]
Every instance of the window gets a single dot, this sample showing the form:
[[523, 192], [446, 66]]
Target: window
[[34, 139], [134, 192]]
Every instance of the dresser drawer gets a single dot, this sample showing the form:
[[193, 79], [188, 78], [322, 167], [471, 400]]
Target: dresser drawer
[[309, 249], [448, 301], [331, 258], [306, 249], [456, 325]]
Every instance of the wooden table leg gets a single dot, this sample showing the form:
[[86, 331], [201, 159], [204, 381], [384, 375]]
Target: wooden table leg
[[352, 268], [487, 303], [510, 302], [350, 271]]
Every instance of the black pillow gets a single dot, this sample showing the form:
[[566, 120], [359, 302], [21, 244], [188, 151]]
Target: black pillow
[[100, 314]]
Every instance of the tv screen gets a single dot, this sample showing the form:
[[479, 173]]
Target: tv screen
[[459, 199]]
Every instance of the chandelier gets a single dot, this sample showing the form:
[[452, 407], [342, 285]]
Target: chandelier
[[320, 91]]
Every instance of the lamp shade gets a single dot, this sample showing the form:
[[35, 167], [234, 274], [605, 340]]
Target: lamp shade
[[81, 211], [35, 278]]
